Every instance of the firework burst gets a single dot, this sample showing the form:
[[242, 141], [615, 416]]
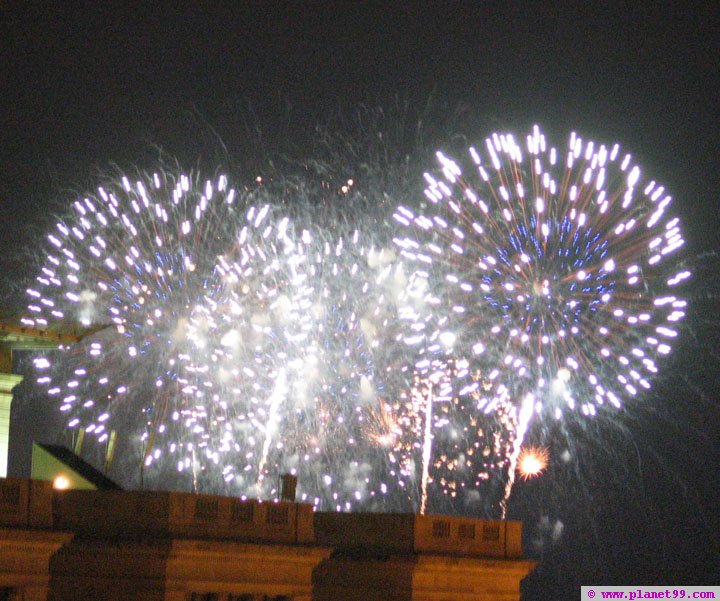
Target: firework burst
[[133, 263], [295, 330], [339, 373], [245, 328], [532, 462], [552, 271]]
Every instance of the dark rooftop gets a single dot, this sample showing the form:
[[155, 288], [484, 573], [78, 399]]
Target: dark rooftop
[[80, 466]]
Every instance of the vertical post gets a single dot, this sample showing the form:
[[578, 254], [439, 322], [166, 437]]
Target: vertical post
[[109, 451], [288, 485]]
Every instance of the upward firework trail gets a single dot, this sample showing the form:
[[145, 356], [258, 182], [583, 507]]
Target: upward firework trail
[[524, 416], [552, 271]]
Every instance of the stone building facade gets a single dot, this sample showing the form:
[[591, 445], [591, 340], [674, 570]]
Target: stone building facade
[[112, 545]]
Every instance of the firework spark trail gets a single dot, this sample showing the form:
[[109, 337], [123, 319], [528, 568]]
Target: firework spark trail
[[279, 394], [427, 450], [553, 275], [523, 421]]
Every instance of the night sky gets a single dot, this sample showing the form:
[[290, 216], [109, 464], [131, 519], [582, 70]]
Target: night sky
[[82, 89]]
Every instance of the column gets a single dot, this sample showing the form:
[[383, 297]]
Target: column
[[7, 383]]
